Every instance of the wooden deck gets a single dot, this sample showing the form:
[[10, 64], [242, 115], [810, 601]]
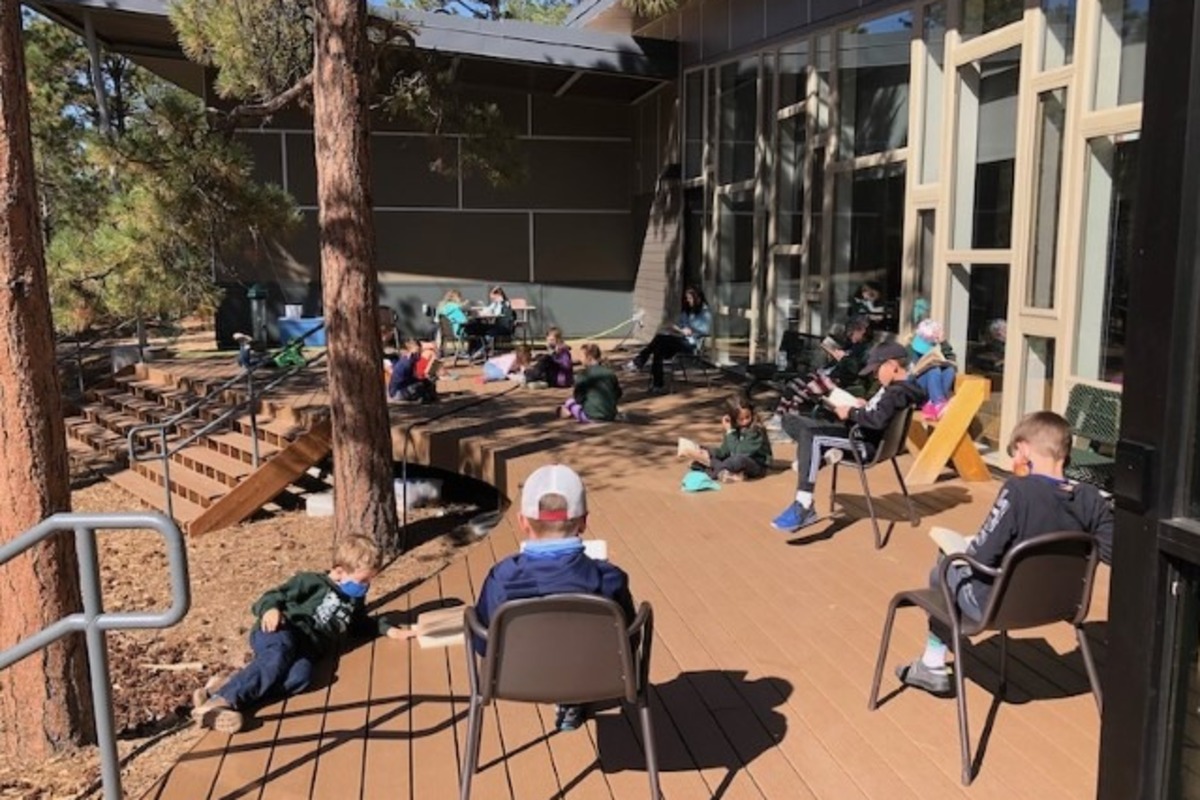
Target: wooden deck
[[762, 661]]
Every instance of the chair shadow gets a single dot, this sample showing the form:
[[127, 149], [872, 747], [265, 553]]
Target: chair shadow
[[890, 510]]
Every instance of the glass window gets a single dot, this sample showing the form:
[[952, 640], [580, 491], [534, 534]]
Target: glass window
[[738, 116], [1183, 659], [1052, 123], [981, 16], [816, 229], [693, 237], [1038, 375], [977, 328], [923, 291], [1107, 253], [873, 70], [793, 74], [987, 147], [694, 130], [935, 56], [824, 63], [1121, 52], [1058, 40], [869, 238], [789, 228], [735, 260]]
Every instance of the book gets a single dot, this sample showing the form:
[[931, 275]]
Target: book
[[595, 549], [831, 346], [442, 627], [948, 541], [839, 397], [685, 448]]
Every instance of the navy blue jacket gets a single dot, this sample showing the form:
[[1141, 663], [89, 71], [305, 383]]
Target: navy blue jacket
[[520, 576]]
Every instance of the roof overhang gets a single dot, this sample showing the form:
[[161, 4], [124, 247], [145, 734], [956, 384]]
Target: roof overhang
[[563, 61]]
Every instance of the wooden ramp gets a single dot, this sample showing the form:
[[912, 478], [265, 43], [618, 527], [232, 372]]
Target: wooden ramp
[[762, 662]]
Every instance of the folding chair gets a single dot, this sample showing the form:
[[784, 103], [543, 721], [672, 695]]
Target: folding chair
[[566, 648], [696, 358], [889, 448], [1043, 580]]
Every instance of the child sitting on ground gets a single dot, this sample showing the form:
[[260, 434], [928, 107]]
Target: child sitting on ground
[[554, 367], [553, 515], [814, 437], [295, 625], [596, 392], [1041, 501], [932, 367], [745, 451], [506, 365], [404, 384]]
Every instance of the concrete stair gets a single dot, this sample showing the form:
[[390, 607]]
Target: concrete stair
[[202, 474]]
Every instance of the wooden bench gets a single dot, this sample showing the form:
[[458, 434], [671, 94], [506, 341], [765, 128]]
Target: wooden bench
[[949, 439]]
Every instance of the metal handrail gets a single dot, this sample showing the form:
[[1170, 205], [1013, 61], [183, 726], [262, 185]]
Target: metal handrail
[[449, 412], [168, 448], [93, 622], [82, 348]]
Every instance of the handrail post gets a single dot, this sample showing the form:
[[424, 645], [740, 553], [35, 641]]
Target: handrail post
[[79, 368], [166, 471], [93, 608], [253, 418]]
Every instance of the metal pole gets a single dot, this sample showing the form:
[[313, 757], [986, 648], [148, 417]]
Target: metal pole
[[93, 46], [93, 607], [166, 460], [79, 367], [253, 418]]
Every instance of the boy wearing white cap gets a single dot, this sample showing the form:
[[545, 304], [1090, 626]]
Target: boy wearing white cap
[[553, 515]]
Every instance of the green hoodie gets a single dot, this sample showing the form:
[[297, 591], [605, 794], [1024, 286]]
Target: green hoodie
[[598, 391], [314, 607], [750, 441]]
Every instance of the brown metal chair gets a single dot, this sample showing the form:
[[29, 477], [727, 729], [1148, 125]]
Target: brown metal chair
[[1040, 581], [889, 448], [389, 326], [446, 335], [566, 648]]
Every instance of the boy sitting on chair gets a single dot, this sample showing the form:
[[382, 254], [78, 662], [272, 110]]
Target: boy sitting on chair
[[1041, 501], [553, 515], [817, 440]]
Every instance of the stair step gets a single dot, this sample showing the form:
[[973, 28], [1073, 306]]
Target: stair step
[[151, 494], [223, 469], [195, 486], [239, 446], [98, 437]]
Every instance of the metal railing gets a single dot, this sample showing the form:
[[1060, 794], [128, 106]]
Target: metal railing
[[93, 621], [82, 348], [168, 447]]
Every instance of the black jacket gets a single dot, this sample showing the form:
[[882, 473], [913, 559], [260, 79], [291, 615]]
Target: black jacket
[[886, 403], [1031, 506]]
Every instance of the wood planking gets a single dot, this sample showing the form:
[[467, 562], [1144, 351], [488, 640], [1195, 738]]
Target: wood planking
[[341, 751], [293, 761], [387, 762], [247, 756]]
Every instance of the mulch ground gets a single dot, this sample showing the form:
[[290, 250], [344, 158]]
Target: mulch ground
[[154, 672]]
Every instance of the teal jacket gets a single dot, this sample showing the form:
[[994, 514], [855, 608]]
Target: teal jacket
[[455, 313], [750, 441], [598, 391], [314, 608]]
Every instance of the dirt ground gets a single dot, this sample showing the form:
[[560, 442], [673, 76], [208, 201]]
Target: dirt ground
[[154, 672]]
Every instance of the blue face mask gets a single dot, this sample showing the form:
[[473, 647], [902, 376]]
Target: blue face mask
[[354, 589]]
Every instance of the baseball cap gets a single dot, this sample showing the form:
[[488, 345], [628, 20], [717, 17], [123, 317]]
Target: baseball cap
[[888, 351], [556, 479]]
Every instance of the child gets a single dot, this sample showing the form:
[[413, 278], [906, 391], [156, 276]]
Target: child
[[745, 451], [868, 301], [931, 364], [554, 367], [553, 515], [295, 625], [596, 392], [813, 437], [426, 368], [506, 365], [404, 383], [1042, 501], [687, 335], [453, 308]]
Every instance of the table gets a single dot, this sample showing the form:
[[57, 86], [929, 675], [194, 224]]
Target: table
[[294, 327]]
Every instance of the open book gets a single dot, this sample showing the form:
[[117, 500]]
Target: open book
[[595, 549], [839, 397], [831, 346], [948, 541], [441, 627], [686, 448]]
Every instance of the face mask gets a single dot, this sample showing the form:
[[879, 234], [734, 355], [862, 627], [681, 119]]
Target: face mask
[[354, 589]]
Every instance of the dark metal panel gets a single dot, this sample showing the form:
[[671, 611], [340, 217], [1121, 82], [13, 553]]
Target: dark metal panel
[[489, 247], [784, 15], [692, 34], [611, 87], [715, 14], [302, 168], [746, 17], [267, 151], [563, 174], [565, 116], [583, 248], [824, 9], [401, 173]]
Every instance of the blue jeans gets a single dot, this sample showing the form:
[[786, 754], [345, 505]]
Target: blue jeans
[[279, 668], [962, 588], [938, 382]]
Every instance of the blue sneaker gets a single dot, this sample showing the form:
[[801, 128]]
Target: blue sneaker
[[794, 517], [569, 718]]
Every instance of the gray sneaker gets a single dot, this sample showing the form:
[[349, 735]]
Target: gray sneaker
[[918, 675]]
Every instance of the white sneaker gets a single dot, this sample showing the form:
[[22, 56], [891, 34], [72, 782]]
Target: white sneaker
[[631, 366]]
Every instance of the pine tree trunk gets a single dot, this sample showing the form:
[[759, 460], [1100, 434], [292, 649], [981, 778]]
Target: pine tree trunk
[[44, 700], [362, 443]]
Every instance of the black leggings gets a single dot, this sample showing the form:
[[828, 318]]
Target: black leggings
[[661, 347], [742, 464]]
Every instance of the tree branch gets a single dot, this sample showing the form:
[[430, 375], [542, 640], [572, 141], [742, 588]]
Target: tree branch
[[229, 120]]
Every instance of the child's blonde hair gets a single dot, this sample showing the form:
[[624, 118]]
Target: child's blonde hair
[[452, 296], [556, 527], [358, 552], [1046, 432], [591, 351]]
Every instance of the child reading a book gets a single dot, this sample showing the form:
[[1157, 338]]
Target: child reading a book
[[745, 452], [404, 383], [814, 437], [596, 392], [295, 625], [554, 367], [932, 367], [552, 517], [506, 365], [1042, 501]]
